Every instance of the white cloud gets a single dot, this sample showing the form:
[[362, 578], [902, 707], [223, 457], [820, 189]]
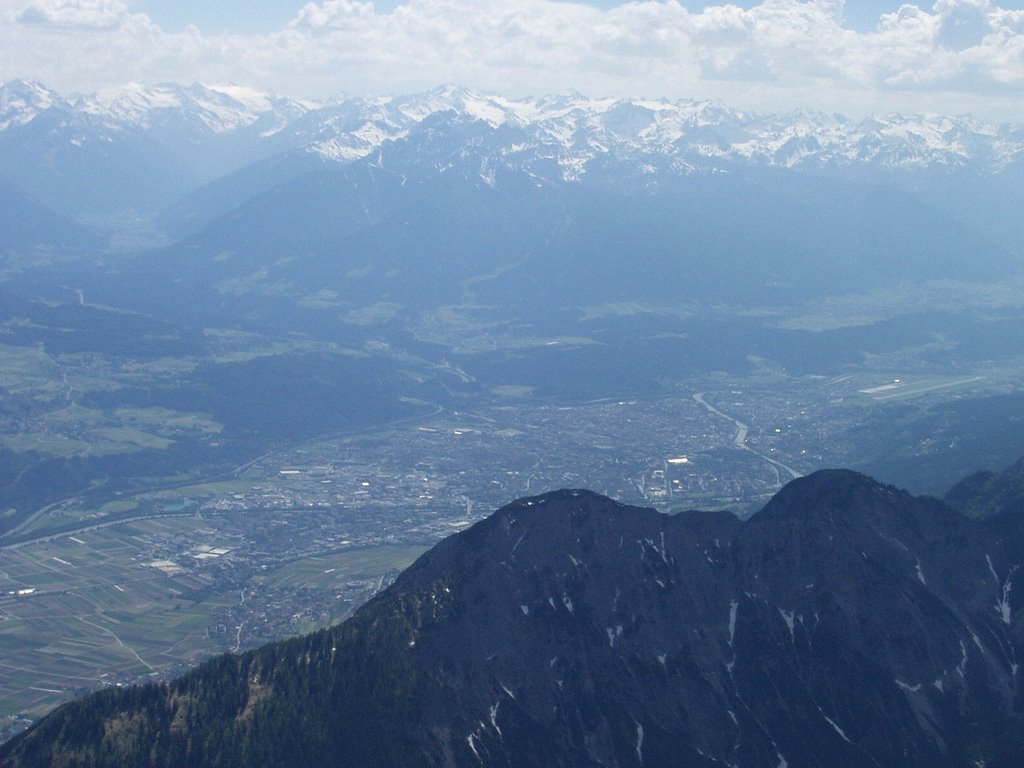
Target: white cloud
[[331, 14], [956, 55], [82, 15]]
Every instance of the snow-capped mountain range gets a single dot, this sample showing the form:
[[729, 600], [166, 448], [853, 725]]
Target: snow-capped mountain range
[[168, 160], [692, 134], [217, 109]]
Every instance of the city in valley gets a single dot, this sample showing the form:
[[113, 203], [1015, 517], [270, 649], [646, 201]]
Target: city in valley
[[143, 586]]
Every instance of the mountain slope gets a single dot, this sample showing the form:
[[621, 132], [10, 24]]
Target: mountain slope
[[846, 624], [442, 217], [986, 494], [26, 224], [133, 149]]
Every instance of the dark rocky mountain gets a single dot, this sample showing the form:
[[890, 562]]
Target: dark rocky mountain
[[845, 624]]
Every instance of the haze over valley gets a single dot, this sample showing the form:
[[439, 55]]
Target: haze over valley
[[258, 353]]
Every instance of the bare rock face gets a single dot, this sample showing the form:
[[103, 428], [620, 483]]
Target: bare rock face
[[846, 624]]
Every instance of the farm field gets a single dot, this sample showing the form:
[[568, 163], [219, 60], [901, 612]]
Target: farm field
[[145, 599]]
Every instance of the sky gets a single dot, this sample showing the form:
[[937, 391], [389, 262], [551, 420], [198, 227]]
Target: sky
[[856, 57]]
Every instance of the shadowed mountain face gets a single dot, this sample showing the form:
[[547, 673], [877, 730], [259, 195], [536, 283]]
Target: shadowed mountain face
[[846, 624]]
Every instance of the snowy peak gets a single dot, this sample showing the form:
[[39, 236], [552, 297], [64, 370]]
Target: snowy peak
[[215, 109], [21, 102], [452, 98], [350, 129], [208, 109]]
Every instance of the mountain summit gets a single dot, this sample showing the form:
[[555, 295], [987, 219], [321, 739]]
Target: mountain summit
[[847, 624]]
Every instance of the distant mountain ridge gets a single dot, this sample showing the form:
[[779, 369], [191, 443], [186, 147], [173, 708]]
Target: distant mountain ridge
[[701, 133], [203, 132], [217, 109], [846, 624]]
